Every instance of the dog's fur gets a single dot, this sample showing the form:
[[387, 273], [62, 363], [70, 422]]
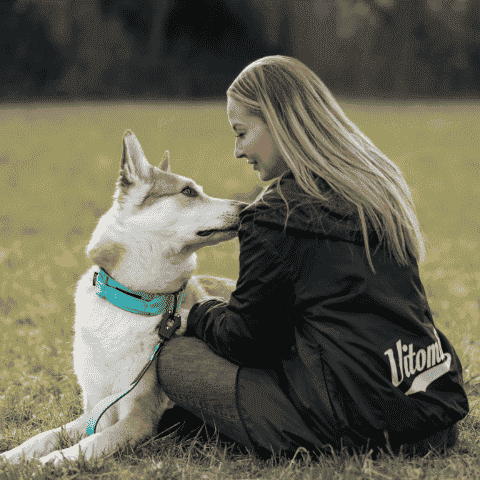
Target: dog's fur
[[147, 242]]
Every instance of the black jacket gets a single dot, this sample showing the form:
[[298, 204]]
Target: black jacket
[[308, 305]]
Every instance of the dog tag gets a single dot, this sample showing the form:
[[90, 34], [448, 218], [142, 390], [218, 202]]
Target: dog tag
[[169, 325]]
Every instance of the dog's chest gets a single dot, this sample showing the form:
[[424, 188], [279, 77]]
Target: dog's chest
[[110, 344], [117, 337]]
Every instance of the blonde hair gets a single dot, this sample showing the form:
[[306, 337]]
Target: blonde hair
[[316, 139]]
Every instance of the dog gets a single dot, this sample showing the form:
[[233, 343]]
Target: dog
[[146, 242]]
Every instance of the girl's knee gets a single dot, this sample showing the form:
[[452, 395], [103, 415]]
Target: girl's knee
[[172, 357]]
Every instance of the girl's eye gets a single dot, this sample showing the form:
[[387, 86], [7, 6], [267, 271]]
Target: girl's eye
[[239, 136], [190, 190]]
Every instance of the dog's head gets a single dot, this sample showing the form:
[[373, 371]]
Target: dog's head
[[175, 207]]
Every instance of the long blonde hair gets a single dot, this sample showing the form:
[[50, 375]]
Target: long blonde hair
[[316, 139]]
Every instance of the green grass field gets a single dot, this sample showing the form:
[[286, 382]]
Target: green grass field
[[58, 167]]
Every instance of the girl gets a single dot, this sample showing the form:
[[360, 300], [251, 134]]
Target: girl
[[328, 340]]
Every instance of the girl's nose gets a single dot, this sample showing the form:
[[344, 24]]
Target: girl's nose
[[238, 153]]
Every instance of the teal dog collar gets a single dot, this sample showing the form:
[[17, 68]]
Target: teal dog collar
[[131, 301]]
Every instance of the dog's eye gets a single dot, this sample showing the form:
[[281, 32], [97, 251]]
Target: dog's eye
[[189, 192]]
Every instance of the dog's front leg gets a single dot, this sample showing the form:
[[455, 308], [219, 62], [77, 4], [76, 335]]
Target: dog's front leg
[[127, 430], [44, 442], [140, 423]]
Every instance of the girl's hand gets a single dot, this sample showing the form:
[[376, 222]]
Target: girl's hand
[[193, 294], [184, 315]]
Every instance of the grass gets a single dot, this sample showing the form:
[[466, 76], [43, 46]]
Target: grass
[[58, 169]]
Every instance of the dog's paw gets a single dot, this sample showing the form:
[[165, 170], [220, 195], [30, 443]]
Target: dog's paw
[[8, 458], [55, 458], [13, 457], [58, 457]]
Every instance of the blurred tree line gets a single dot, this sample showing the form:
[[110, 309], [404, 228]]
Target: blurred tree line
[[152, 49]]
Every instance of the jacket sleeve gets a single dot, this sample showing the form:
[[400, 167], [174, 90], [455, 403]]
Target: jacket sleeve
[[255, 327]]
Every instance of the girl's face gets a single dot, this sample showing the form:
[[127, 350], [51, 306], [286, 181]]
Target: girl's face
[[254, 142]]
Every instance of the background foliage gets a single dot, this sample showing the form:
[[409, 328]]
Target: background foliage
[[104, 49]]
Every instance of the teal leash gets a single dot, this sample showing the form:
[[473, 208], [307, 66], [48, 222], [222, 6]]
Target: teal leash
[[167, 327]]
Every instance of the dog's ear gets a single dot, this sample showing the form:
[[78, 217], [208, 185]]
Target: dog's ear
[[134, 165], [165, 163]]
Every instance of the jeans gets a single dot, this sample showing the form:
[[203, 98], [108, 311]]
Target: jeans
[[205, 384]]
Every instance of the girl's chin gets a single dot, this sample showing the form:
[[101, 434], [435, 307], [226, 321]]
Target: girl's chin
[[262, 174]]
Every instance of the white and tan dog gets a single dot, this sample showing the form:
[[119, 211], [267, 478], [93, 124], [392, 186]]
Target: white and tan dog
[[146, 242]]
